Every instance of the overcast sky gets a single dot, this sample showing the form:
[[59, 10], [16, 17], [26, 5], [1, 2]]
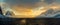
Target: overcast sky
[[27, 1], [1, 0]]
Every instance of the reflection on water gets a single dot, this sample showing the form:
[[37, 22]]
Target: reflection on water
[[41, 21]]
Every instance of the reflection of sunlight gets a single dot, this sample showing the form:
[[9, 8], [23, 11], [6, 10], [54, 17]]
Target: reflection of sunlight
[[23, 21]]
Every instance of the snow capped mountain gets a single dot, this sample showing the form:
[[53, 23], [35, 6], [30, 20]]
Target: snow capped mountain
[[46, 10], [51, 13]]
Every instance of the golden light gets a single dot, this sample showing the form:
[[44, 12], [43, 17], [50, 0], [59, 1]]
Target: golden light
[[27, 13], [55, 7]]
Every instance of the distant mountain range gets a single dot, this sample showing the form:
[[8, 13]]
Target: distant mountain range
[[50, 13]]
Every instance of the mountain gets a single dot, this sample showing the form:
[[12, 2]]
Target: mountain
[[50, 13]]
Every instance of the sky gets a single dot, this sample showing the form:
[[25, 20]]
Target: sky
[[1, 0], [27, 1], [22, 1]]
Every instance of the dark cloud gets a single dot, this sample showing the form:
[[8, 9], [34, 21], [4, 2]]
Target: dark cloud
[[49, 1], [21, 1]]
